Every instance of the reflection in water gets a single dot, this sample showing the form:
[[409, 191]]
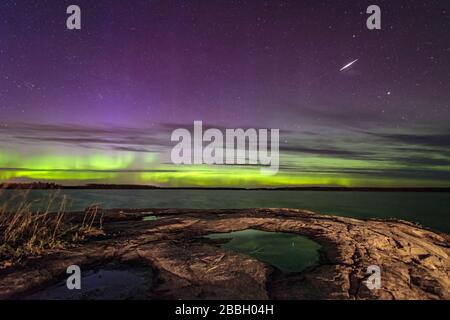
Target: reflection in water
[[286, 251], [103, 284]]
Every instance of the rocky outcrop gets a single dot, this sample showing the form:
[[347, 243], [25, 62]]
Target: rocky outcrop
[[414, 261]]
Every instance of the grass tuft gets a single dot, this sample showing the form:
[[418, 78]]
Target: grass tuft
[[25, 231]]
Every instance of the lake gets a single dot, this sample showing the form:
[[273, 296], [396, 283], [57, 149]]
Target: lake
[[430, 209]]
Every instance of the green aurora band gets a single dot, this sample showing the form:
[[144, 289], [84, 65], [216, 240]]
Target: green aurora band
[[144, 168]]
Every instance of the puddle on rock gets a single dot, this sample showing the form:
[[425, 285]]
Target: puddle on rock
[[102, 284], [288, 252]]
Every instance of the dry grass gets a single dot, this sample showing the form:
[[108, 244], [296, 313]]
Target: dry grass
[[25, 231]]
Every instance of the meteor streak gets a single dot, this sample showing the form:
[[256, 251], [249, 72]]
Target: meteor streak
[[348, 65]]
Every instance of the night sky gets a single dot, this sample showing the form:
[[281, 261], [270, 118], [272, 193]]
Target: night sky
[[97, 105]]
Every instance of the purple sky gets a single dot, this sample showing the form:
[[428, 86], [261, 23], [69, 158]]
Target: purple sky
[[275, 64]]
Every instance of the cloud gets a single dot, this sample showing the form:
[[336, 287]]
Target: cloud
[[116, 138], [92, 170], [434, 140], [423, 161], [325, 152], [387, 155]]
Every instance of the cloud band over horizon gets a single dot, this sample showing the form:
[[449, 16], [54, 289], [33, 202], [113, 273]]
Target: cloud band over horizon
[[79, 155]]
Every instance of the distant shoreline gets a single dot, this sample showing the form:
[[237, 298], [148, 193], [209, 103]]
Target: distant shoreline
[[52, 186]]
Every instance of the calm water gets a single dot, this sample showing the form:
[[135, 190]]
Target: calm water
[[103, 284], [286, 251], [429, 209]]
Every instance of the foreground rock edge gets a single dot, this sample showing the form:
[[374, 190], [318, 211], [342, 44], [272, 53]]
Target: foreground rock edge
[[414, 261]]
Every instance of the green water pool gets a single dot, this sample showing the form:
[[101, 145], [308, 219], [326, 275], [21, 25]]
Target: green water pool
[[286, 251]]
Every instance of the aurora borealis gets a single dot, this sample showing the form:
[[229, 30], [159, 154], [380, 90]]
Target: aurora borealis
[[97, 105]]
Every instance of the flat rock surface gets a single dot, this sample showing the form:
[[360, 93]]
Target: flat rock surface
[[414, 261]]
